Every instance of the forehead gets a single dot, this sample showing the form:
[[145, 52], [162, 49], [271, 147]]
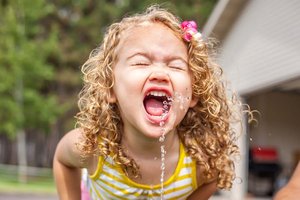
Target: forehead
[[152, 37]]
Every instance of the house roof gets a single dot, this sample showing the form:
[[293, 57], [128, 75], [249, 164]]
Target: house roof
[[222, 18]]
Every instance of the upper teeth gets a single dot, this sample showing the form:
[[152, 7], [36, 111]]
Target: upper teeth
[[157, 93]]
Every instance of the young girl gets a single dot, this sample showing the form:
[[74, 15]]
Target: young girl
[[154, 120]]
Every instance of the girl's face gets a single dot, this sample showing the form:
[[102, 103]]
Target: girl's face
[[151, 68]]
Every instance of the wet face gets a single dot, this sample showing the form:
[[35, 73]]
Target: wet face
[[152, 80]]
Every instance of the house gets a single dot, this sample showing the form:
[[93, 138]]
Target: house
[[260, 55]]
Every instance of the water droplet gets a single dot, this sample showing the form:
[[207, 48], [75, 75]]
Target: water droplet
[[161, 139], [178, 102], [161, 123], [251, 139], [269, 134], [238, 180], [162, 167]]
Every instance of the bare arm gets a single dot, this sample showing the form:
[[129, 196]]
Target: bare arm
[[292, 190], [66, 167], [207, 186], [204, 192]]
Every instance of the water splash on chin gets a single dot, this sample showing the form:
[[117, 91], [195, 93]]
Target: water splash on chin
[[178, 102]]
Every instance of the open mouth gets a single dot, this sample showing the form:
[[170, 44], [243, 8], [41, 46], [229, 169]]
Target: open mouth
[[157, 103]]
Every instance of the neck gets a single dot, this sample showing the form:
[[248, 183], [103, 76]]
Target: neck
[[149, 148]]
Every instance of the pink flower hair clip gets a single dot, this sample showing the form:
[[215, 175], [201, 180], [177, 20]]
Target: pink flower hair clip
[[190, 31]]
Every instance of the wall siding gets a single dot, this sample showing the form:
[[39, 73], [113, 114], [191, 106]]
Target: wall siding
[[263, 47]]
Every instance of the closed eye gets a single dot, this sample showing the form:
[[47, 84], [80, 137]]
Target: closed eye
[[177, 67], [181, 67], [178, 64], [139, 59], [140, 64]]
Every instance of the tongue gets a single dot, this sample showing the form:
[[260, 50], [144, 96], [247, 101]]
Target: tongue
[[154, 107]]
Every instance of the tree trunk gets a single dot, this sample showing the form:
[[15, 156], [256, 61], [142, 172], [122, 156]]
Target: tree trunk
[[21, 137], [22, 157]]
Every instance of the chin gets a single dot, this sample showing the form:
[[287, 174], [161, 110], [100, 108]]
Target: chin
[[156, 131]]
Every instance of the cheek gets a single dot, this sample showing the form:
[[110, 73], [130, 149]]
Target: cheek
[[184, 84], [128, 83], [184, 92]]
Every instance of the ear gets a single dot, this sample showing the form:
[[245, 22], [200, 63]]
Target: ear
[[111, 97], [193, 102]]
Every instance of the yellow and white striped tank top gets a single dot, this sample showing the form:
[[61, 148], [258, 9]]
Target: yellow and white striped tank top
[[110, 182]]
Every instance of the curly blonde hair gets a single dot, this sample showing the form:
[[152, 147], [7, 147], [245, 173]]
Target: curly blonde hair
[[206, 130]]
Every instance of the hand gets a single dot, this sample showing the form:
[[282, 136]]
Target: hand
[[292, 190]]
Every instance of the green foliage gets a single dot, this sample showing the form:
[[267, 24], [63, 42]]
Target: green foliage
[[83, 22], [25, 71], [44, 43]]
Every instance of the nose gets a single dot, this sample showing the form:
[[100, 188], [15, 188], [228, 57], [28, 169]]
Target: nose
[[159, 76]]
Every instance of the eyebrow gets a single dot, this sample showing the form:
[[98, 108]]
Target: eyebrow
[[138, 54]]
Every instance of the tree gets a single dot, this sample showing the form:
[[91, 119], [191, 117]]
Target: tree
[[26, 102]]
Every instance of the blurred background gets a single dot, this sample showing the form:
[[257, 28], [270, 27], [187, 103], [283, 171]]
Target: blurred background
[[43, 44]]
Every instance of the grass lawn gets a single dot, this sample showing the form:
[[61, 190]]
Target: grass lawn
[[36, 184]]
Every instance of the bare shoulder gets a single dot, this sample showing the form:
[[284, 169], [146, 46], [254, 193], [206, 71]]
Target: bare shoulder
[[74, 135], [202, 178], [67, 151]]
